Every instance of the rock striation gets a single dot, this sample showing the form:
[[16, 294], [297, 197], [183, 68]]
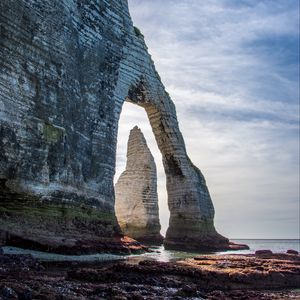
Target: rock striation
[[66, 69], [136, 192]]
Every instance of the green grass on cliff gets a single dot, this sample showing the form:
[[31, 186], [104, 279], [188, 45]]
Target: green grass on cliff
[[62, 211], [36, 218], [138, 32], [52, 134]]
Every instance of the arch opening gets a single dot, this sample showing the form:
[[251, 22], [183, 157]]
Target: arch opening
[[134, 115], [191, 222]]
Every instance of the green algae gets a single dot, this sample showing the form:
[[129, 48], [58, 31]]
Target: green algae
[[52, 134], [37, 218], [36, 209], [138, 32]]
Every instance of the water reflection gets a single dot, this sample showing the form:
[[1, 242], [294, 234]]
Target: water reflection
[[162, 255], [159, 253]]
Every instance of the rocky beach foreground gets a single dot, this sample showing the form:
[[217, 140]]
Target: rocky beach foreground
[[261, 276]]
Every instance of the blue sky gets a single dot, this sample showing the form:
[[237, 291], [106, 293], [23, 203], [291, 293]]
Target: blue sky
[[232, 70]]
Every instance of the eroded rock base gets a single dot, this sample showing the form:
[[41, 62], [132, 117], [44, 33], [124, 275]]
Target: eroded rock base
[[194, 235], [206, 244], [60, 227]]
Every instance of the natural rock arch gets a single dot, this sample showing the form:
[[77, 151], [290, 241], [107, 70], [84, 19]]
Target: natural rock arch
[[191, 222], [67, 67]]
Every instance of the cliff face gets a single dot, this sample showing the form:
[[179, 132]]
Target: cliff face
[[66, 68], [136, 192]]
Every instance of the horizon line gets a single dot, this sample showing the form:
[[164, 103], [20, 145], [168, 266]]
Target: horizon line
[[265, 239]]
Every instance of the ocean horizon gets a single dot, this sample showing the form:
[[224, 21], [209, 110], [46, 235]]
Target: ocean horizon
[[275, 245], [160, 254]]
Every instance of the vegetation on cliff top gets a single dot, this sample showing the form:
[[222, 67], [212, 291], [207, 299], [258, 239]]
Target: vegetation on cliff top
[[137, 32]]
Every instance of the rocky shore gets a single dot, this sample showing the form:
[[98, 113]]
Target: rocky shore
[[118, 244], [261, 276]]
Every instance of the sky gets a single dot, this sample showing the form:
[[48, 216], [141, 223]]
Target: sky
[[232, 69]]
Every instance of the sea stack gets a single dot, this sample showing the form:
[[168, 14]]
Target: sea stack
[[136, 192]]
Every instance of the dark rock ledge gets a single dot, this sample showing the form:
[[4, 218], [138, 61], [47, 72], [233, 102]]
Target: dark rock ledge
[[204, 277]]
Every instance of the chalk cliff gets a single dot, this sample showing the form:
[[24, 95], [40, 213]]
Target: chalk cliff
[[136, 192], [66, 68]]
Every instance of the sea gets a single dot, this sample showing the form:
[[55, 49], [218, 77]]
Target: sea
[[276, 246], [162, 255]]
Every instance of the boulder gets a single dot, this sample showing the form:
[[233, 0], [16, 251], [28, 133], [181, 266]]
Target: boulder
[[263, 252]]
